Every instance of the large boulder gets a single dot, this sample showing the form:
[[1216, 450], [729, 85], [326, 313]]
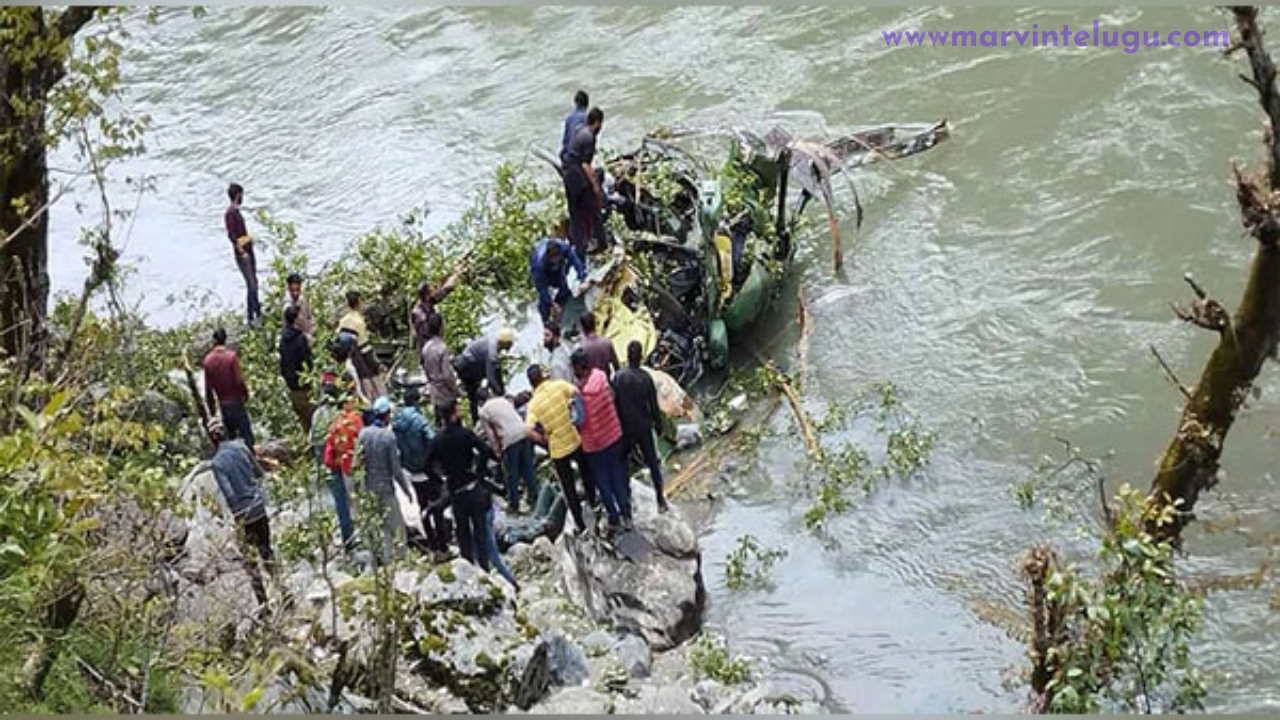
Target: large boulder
[[214, 589], [659, 597], [470, 639]]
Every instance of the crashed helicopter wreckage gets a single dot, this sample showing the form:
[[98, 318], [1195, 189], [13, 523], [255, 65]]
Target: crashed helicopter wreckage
[[699, 252]]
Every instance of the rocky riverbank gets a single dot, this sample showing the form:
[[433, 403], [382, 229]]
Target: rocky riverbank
[[590, 631]]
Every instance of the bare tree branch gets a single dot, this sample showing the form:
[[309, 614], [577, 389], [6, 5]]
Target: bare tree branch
[[1169, 371]]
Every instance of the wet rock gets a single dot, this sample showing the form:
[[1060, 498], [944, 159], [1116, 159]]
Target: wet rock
[[567, 662], [634, 655], [660, 598], [575, 701]]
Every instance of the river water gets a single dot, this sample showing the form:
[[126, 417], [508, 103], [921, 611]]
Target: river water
[[1009, 282]]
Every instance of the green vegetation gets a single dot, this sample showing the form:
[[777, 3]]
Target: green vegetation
[[1120, 640], [709, 658], [848, 469], [750, 564]]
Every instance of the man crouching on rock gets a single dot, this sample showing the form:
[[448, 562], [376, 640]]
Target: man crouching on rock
[[234, 469]]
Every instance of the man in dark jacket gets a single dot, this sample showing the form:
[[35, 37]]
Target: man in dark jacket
[[242, 245], [549, 265], [574, 120], [234, 470], [460, 455], [637, 399], [481, 361], [295, 362]]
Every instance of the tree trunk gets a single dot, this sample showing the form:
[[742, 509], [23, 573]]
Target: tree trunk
[[60, 615], [1246, 340], [24, 191], [32, 62]]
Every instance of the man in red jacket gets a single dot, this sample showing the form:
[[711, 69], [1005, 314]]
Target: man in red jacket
[[601, 435], [242, 244], [225, 390]]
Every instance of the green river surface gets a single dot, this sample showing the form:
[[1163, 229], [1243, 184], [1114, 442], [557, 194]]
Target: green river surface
[[1009, 281]]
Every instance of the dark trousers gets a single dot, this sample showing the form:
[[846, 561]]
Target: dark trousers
[[248, 265], [236, 421], [584, 217], [470, 377], [517, 467], [564, 473], [300, 399], [469, 511], [560, 297], [341, 505], [643, 441], [257, 533], [609, 468], [432, 501]]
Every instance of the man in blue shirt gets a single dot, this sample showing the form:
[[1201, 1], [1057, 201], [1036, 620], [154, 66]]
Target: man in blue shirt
[[549, 268], [574, 120]]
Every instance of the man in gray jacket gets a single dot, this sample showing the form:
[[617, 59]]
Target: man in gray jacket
[[234, 470], [380, 456]]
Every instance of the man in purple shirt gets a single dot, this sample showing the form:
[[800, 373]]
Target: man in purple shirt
[[242, 244], [600, 353]]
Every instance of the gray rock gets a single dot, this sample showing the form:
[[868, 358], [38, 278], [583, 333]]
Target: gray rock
[[575, 701], [528, 674], [598, 642], [666, 699], [709, 694], [458, 586], [635, 656], [661, 598], [567, 662]]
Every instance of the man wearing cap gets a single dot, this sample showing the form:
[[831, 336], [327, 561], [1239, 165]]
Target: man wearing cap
[[234, 470], [380, 454], [481, 361], [414, 436]]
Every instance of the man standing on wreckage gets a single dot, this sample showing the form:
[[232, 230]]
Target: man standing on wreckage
[[582, 189]]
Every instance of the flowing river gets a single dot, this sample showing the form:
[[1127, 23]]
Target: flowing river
[[1009, 281]]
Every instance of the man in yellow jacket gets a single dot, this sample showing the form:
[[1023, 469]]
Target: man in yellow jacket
[[548, 422]]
